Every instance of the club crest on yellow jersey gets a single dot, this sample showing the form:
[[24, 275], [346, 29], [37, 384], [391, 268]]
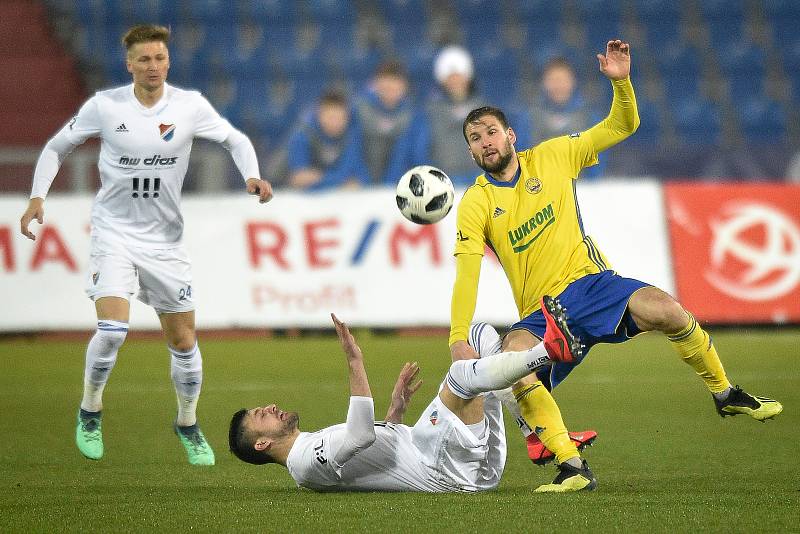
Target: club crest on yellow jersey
[[533, 185]]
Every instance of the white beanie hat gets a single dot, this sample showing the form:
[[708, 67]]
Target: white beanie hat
[[452, 60]]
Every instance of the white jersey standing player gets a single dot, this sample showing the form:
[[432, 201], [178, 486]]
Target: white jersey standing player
[[457, 445], [146, 131]]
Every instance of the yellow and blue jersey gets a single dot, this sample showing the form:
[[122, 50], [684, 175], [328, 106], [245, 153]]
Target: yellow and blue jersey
[[533, 223]]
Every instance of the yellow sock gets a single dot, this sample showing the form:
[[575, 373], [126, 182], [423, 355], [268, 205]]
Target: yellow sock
[[541, 412], [694, 345]]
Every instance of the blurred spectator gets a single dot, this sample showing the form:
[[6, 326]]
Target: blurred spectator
[[325, 152], [385, 115], [446, 110], [559, 109]]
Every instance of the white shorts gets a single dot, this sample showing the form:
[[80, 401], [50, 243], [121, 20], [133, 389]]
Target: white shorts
[[163, 277], [453, 454]]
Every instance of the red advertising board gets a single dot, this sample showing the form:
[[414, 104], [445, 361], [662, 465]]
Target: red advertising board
[[736, 251]]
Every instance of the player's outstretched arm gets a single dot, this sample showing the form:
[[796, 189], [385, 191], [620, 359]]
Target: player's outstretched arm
[[35, 211], [623, 118], [262, 188], [359, 384], [404, 389]]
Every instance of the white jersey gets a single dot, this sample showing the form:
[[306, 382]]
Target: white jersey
[[144, 155], [438, 454]]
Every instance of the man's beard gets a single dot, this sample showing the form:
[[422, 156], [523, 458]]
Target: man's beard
[[502, 161], [291, 423]]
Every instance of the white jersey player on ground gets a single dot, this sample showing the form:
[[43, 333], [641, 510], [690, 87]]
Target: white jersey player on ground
[[457, 445], [146, 131]]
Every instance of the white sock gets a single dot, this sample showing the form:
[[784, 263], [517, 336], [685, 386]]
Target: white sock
[[187, 375], [468, 378], [486, 342], [101, 355]]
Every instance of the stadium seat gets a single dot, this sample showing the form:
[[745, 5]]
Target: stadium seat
[[599, 31], [697, 121], [763, 121], [722, 10], [662, 31], [650, 128], [400, 13], [282, 14]]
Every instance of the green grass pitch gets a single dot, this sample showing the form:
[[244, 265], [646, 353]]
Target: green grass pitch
[[665, 460]]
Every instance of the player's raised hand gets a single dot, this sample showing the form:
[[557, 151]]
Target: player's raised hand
[[616, 64], [405, 387], [349, 345], [262, 188], [35, 211]]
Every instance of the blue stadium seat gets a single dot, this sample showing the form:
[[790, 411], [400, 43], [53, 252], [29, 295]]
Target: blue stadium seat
[[475, 11], [151, 11], [650, 128], [207, 11], [601, 30], [479, 34], [539, 12], [678, 59], [722, 10], [697, 121], [332, 11], [762, 120], [742, 56], [781, 10], [662, 32], [405, 13], [280, 14], [743, 86]]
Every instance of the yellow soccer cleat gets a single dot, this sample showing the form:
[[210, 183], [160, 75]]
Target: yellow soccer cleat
[[759, 408], [570, 478]]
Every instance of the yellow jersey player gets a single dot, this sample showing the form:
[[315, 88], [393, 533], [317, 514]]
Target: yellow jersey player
[[525, 209]]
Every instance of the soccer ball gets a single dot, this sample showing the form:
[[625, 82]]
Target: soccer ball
[[424, 195]]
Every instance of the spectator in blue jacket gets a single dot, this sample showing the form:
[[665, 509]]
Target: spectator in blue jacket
[[325, 151], [386, 114]]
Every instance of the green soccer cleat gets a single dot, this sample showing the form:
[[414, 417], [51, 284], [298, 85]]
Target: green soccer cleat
[[197, 448], [89, 434], [570, 479], [759, 408]]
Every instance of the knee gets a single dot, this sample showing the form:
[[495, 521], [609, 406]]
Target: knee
[[668, 315], [183, 343]]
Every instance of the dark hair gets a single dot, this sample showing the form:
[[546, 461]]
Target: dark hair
[[334, 97], [475, 115], [242, 445], [145, 33], [391, 68]]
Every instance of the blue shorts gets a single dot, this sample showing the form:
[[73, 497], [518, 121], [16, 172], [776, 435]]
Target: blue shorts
[[597, 309]]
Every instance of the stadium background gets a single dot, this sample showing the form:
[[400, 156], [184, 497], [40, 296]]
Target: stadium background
[[718, 85]]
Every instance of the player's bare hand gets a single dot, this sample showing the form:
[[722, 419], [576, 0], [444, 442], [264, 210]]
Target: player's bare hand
[[35, 211], [405, 387], [616, 64], [460, 350], [349, 345], [262, 188]]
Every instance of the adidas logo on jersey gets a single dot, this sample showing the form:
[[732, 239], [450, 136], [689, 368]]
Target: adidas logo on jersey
[[498, 212], [121, 128]]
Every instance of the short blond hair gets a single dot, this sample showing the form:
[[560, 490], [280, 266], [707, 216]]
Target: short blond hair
[[145, 33]]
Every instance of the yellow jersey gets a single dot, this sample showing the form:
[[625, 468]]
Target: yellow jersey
[[533, 222]]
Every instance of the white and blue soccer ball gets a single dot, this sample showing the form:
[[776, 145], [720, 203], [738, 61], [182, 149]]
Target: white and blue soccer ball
[[424, 194]]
